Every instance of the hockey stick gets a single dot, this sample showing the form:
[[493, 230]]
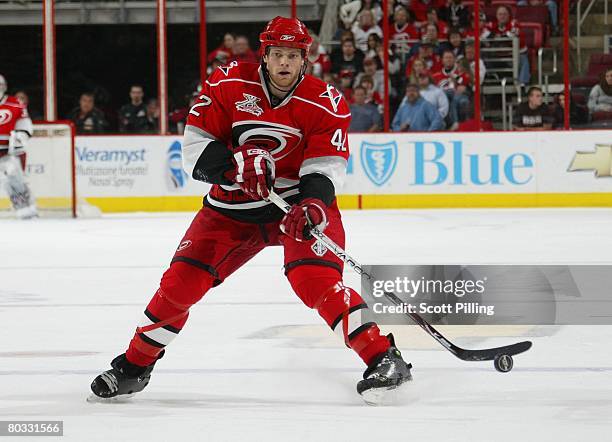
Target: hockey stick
[[462, 353]]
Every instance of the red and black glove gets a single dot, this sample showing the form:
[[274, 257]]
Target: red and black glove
[[253, 171], [311, 212]]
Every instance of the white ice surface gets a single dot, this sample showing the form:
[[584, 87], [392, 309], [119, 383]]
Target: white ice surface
[[254, 364]]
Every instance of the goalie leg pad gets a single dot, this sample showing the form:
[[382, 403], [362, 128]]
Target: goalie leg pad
[[16, 187], [341, 307], [182, 285]]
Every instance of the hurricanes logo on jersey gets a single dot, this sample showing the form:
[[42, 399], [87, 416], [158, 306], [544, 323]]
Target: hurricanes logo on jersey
[[184, 245], [278, 139], [333, 95], [250, 105], [5, 116]]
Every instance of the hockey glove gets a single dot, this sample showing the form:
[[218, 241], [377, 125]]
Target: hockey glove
[[253, 171], [297, 223]]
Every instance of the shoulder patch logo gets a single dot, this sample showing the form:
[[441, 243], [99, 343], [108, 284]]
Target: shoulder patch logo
[[249, 104], [333, 95], [226, 69]]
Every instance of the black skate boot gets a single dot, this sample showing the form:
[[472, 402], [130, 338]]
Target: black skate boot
[[122, 381], [387, 372]]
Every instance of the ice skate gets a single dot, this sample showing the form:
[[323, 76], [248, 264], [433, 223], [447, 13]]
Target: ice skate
[[121, 382], [384, 375]]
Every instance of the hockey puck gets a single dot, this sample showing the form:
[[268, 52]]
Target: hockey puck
[[503, 363]]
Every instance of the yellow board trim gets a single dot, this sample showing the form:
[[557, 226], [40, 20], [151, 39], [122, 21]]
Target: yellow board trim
[[147, 204], [486, 200], [49, 203], [347, 202]]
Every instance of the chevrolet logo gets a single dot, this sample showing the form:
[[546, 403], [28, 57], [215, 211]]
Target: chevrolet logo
[[600, 161]]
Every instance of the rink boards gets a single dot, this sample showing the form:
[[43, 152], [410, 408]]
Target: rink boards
[[387, 170]]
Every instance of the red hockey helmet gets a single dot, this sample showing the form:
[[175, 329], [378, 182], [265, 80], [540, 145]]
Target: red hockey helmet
[[286, 32]]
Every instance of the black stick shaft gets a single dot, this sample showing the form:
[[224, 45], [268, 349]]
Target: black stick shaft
[[473, 355]]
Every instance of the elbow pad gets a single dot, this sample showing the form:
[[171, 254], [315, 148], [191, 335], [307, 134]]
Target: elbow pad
[[213, 163]]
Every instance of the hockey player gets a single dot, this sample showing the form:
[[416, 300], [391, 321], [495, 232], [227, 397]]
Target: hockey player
[[15, 130], [254, 127]]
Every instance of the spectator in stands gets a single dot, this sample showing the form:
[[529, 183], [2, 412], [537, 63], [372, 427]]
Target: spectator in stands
[[242, 50], [440, 25], [86, 117], [403, 30], [152, 110], [533, 114], [431, 35], [372, 96], [22, 97], [433, 94], [377, 75], [426, 53], [373, 42], [420, 8], [455, 84], [350, 10], [416, 113], [337, 50], [375, 7], [600, 98], [449, 78], [456, 15], [470, 56], [133, 116], [553, 11], [417, 68], [470, 31], [345, 77], [350, 59], [364, 116], [578, 114], [225, 50], [318, 58], [454, 43], [394, 61], [503, 27], [363, 28]]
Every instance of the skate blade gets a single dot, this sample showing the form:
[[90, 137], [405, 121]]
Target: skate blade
[[380, 396], [93, 399]]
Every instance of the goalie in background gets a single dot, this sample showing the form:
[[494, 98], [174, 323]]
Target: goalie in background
[[15, 131]]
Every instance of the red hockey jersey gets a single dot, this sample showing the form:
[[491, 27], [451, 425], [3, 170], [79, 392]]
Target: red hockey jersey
[[512, 29], [451, 79], [306, 133], [13, 116]]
